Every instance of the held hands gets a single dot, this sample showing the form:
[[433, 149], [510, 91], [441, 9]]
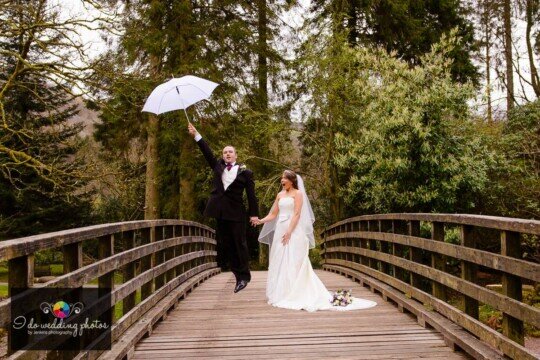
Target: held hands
[[254, 220]]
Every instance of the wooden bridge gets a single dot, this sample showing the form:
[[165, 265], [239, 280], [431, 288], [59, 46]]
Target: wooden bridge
[[173, 302]]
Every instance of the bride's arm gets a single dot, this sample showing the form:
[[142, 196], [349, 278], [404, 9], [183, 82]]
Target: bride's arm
[[272, 214], [298, 199]]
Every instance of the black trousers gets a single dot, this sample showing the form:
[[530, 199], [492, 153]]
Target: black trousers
[[232, 248]]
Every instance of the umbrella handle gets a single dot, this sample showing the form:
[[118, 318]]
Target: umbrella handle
[[187, 117], [185, 112]]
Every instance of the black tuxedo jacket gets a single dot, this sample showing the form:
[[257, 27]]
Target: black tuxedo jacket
[[229, 204]]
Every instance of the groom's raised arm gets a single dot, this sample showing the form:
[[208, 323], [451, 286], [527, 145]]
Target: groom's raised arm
[[205, 148]]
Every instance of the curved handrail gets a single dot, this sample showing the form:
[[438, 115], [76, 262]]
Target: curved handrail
[[525, 226], [10, 249], [158, 259], [390, 248]]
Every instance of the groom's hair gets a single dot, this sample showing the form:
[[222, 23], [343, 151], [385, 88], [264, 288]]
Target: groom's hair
[[226, 146], [291, 175]]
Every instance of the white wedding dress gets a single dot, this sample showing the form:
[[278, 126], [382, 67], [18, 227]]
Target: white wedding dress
[[292, 283]]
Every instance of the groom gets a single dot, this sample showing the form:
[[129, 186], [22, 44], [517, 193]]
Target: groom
[[227, 206]]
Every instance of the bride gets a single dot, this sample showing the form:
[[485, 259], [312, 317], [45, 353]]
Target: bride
[[288, 229]]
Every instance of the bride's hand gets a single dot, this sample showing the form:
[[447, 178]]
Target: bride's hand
[[285, 239]]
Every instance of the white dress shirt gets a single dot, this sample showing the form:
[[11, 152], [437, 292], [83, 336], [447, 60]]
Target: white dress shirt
[[228, 175]]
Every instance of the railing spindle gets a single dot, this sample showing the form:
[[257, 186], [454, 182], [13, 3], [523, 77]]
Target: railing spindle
[[438, 261], [106, 281], [128, 242], [511, 286], [468, 271], [147, 262]]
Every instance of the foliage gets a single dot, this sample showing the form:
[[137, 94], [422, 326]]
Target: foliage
[[407, 27], [517, 174], [171, 37], [412, 146], [42, 175], [396, 138]]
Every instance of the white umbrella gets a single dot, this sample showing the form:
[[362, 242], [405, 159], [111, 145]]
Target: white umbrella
[[178, 94]]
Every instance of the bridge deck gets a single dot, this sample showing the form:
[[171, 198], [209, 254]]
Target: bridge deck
[[213, 322]]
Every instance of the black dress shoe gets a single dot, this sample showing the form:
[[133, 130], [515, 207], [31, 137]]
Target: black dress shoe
[[240, 285]]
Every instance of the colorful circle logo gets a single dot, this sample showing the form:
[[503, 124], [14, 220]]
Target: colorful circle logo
[[61, 309]]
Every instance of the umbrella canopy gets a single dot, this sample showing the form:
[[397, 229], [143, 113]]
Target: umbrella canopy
[[178, 94]]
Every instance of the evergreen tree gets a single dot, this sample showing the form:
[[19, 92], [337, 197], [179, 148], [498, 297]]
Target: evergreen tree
[[229, 43], [42, 180], [408, 27]]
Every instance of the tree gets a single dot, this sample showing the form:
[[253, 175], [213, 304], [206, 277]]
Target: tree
[[508, 56], [408, 27], [532, 16], [391, 137], [236, 53], [518, 170], [42, 177], [487, 12]]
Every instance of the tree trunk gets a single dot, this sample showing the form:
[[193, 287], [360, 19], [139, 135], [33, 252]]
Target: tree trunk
[[262, 71], [352, 26], [534, 72], [151, 199], [151, 206], [262, 74], [487, 28], [510, 100], [488, 84], [187, 172]]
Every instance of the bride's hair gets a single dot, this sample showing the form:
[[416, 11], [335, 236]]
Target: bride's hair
[[291, 175]]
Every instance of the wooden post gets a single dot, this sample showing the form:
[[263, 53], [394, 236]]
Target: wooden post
[[106, 281], [373, 226], [415, 254], [438, 261], [191, 233], [73, 260], [468, 272], [364, 243], [159, 258], [386, 226], [178, 232], [20, 278], [147, 262], [324, 246], [511, 286], [399, 227], [170, 253], [128, 242]]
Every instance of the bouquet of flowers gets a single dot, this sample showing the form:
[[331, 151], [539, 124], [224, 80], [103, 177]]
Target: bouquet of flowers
[[342, 298]]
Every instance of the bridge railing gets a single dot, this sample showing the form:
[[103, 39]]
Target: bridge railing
[[388, 253], [160, 261]]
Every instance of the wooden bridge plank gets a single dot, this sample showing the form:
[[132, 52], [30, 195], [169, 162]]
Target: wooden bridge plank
[[213, 322]]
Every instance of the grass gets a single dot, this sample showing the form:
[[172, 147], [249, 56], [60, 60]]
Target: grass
[[119, 307], [493, 317], [56, 270], [3, 272]]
